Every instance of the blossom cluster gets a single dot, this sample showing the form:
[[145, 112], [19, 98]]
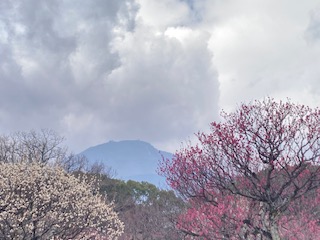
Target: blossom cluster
[[38, 201], [263, 158]]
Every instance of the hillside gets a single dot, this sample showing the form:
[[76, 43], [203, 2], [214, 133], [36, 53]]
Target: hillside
[[131, 159]]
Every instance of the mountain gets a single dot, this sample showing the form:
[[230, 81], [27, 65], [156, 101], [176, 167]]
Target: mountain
[[131, 159]]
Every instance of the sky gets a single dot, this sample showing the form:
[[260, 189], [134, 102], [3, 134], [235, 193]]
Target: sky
[[153, 70]]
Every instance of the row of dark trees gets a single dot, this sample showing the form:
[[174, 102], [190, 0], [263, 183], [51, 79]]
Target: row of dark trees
[[147, 211]]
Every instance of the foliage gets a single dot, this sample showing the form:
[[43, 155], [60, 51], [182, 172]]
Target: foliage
[[42, 202], [147, 211], [250, 172]]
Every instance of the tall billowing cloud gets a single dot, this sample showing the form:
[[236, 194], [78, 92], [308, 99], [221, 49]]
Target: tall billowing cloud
[[264, 48], [100, 70]]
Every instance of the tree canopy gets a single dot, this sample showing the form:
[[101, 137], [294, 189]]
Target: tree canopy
[[42, 202], [147, 211], [247, 177]]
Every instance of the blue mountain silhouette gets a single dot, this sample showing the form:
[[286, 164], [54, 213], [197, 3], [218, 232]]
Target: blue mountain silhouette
[[130, 159]]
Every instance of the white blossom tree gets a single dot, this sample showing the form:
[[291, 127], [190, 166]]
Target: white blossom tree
[[42, 202]]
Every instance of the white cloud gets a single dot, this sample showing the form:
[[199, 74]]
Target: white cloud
[[161, 14], [260, 48], [165, 85]]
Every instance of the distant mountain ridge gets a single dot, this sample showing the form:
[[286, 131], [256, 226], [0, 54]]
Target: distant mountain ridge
[[131, 159]]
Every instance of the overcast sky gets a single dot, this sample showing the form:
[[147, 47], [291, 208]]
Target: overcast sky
[[154, 70]]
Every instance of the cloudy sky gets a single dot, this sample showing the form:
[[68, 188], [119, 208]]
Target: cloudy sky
[[154, 70]]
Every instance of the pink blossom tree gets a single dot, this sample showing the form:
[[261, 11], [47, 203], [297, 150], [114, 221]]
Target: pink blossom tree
[[249, 176]]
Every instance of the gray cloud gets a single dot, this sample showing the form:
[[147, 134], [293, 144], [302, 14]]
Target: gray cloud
[[313, 29], [100, 70], [52, 58], [148, 69]]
